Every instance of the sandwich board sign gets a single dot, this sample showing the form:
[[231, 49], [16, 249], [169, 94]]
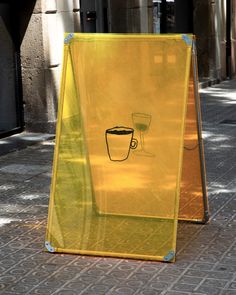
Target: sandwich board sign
[[129, 159]]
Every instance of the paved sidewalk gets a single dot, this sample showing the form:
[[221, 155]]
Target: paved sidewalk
[[206, 257], [22, 140]]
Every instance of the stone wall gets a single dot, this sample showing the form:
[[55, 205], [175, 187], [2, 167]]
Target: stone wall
[[42, 47], [41, 56]]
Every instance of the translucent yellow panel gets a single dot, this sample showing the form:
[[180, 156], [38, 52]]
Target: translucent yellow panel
[[193, 199], [119, 148]]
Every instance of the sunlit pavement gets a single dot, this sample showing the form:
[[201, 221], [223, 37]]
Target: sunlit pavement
[[206, 258]]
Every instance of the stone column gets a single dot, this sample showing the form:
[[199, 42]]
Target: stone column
[[233, 38], [209, 27], [131, 16], [220, 38], [41, 56], [203, 19], [77, 17], [140, 16]]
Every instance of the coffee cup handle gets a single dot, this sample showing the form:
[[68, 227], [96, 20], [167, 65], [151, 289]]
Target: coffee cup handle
[[134, 143]]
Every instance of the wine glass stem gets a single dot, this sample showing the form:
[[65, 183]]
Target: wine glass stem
[[142, 140]]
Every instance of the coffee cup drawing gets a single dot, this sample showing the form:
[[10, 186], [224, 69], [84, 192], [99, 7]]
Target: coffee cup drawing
[[119, 141]]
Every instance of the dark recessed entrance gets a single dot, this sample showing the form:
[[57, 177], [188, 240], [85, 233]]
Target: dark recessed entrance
[[14, 18]]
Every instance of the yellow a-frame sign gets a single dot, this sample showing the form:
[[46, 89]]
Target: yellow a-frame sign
[[125, 166]]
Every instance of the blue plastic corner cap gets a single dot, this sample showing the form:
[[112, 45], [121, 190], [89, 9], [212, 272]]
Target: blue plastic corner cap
[[169, 256], [49, 247], [188, 40], [68, 38]]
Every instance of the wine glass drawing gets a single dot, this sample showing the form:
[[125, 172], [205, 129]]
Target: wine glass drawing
[[142, 123]]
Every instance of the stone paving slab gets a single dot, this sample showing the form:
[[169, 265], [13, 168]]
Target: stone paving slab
[[206, 254], [22, 140]]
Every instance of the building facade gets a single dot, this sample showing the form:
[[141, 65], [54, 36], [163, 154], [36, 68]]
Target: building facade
[[32, 33]]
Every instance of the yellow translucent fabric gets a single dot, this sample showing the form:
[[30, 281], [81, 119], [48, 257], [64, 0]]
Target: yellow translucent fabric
[[193, 197], [119, 146]]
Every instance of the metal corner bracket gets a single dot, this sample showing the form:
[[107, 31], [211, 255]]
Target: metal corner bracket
[[68, 38], [188, 40], [169, 256], [49, 247]]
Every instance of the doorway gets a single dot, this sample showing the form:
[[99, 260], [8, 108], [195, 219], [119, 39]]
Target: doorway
[[10, 107], [14, 20]]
